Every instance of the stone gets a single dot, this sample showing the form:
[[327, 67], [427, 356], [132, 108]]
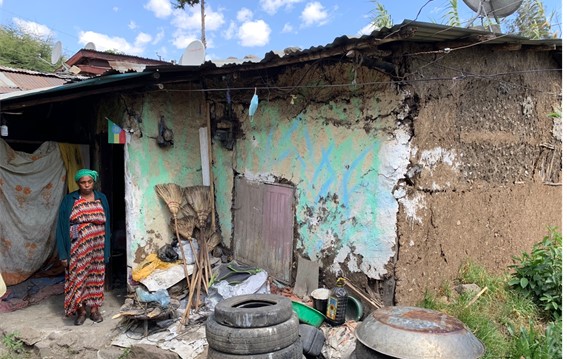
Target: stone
[[471, 288]]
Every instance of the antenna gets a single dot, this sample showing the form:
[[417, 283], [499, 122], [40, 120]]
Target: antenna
[[492, 8], [56, 53], [194, 54], [90, 46]]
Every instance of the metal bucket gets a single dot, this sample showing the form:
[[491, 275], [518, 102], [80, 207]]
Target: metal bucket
[[416, 333]]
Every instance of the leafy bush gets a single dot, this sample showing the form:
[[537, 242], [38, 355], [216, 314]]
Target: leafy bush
[[538, 274], [531, 344]]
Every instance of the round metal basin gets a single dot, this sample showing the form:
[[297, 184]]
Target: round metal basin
[[416, 333]]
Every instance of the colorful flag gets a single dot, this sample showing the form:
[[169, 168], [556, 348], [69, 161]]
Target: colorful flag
[[115, 133]]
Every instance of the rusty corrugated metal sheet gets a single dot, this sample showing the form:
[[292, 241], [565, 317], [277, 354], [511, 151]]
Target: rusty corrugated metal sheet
[[263, 227], [12, 80]]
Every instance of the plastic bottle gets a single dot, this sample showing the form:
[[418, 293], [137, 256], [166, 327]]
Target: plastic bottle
[[337, 303]]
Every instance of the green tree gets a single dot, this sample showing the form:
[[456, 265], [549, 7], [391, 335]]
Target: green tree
[[23, 51], [531, 21], [381, 17]]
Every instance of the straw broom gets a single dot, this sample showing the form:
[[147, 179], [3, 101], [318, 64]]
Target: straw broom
[[197, 198], [173, 196]]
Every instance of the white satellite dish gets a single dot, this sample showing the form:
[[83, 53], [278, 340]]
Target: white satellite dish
[[56, 52], [90, 46], [494, 8], [194, 54]]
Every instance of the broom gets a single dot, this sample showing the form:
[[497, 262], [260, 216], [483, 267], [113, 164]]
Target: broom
[[173, 196], [198, 198]]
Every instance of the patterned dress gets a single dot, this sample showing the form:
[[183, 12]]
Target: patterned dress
[[84, 279]]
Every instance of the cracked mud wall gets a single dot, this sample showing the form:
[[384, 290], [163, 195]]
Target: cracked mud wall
[[344, 150], [485, 164], [147, 164]]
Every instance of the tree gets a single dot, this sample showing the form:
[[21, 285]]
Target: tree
[[24, 51], [531, 21], [181, 5], [381, 17]]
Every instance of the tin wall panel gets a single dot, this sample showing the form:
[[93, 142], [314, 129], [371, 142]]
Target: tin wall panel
[[263, 233]]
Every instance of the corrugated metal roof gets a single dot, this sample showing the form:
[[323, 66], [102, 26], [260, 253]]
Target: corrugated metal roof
[[76, 89], [13, 80], [408, 31]]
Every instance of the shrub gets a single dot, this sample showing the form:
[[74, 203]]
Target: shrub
[[538, 274]]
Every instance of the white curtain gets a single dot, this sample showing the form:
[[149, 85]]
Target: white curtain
[[32, 186]]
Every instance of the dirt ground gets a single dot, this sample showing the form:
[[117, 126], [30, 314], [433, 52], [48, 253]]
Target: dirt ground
[[48, 334], [52, 335]]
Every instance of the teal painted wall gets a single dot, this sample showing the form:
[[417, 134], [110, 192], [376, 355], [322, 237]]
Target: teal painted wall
[[147, 164], [344, 170]]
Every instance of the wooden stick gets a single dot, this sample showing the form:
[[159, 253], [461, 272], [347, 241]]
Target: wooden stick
[[182, 251], [211, 176], [476, 297], [359, 293]]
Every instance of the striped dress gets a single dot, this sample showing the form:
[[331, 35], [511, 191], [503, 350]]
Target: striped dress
[[84, 279]]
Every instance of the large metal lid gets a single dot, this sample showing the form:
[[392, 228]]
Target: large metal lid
[[416, 333]]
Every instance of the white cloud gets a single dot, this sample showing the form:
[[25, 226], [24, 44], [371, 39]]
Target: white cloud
[[142, 39], [244, 14], [191, 19], [132, 25], [159, 36], [104, 42], [314, 14], [33, 28], [272, 6], [230, 32], [254, 33], [366, 30], [287, 28], [182, 38], [115, 8], [160, 8]]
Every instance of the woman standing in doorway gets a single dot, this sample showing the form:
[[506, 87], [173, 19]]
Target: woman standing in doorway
[[83, 243]]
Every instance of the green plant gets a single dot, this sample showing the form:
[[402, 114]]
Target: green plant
[[12, 343], [125, 354], [538, 274], [532, 343]]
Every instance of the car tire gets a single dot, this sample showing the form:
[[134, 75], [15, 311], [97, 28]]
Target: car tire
[[293, 351], [242, 341], [253, 310]]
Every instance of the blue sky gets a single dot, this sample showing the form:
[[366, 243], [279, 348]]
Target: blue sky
[[154, 29]]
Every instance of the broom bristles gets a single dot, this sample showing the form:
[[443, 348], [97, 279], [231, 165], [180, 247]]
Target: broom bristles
[[198, 198], [172, 195], [185, 226]]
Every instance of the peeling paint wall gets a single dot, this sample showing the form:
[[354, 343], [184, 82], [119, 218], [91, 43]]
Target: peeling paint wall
[[344, 169], [147, 164]]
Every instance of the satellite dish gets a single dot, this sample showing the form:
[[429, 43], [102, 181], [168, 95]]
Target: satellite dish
[[194, 54], [494, 8], [56, 52], [90, 46]]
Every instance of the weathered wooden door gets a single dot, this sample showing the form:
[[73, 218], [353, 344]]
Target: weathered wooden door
[[263, 227]]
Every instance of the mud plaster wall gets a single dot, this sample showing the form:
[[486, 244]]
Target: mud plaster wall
[[482, 151], [344, 150], [147, 164]]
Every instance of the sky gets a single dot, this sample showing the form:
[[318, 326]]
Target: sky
[[234, 28]]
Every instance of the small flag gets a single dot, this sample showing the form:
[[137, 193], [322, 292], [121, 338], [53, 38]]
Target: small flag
[[115, 133]]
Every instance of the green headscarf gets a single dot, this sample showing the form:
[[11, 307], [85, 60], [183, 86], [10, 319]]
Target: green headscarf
[[86, 172]]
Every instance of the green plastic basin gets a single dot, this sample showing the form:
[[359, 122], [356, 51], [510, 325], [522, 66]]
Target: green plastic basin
[[308, 315]]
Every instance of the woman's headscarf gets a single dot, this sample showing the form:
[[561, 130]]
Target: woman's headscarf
[[86, 172]]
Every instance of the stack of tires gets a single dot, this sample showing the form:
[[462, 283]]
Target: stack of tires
[[254, 326]]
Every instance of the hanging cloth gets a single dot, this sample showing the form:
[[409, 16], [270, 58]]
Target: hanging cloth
[[31, 189], [73, 161]]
